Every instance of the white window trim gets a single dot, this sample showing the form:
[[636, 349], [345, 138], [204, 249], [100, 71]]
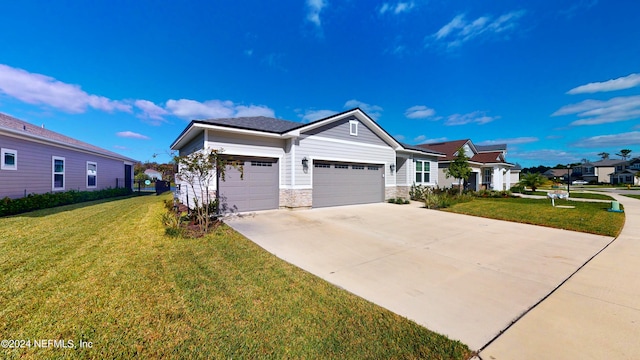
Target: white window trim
[[96, 175], [53, 172], [415, 171], [4, 166], [353, 127]]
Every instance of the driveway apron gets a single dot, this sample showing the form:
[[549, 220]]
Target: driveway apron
[[462, 276]]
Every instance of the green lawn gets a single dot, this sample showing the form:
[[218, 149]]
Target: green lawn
[[590, 217], [633, 196], [104, 273]]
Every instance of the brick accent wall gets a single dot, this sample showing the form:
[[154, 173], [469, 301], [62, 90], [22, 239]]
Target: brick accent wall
[[295, 198]]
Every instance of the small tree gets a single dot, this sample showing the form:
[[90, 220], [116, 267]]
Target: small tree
[[199, 170], [624, 154], [459, 168], [533, 180], [604, 155]]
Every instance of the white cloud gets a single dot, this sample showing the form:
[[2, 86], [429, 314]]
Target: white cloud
[[313, 115], [510, 141], [601, 141], [596, 112], [620, 83], [314, 7], [459, 30], [424, 140], [211, 109], [40, 89], [477, 117], [397, 8], [419, 112], [253, 110], [374, 111], [132, 135], [151, 111], [543, 156]]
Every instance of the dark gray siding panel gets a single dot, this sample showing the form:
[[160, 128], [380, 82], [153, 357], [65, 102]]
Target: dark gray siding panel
[[340, 130], [34, 173], [194, 145], [346, 184], [257, 190]]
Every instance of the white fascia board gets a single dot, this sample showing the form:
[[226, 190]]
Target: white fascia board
[[401, 150]]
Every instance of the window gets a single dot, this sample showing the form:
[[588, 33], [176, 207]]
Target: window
[[9, 159], [321, 165], [338, 166], [57, 173], [92, 174], [487, 176], [423, 170], [353, 128], [357, 167], [261, 163], [372, 168]]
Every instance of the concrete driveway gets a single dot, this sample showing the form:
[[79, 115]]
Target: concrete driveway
[[466, 277]]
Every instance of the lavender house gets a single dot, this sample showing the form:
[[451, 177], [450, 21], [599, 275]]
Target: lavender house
[[36, 160]]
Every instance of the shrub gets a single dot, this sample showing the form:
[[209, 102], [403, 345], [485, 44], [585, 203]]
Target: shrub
[[48, 200], [398, 200], [517, 188]]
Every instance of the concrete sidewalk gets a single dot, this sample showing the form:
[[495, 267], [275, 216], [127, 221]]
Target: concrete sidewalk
[[594, 315], [463, 276]]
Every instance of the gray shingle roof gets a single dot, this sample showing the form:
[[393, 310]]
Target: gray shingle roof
[[260, 123], [421, 149], [495, 147], [30, 130]]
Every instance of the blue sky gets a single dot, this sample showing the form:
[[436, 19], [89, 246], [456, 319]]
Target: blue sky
[[558, 81]]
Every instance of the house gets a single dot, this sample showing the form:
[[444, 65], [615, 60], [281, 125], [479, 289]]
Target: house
[[515, 174], [489, 168], [343, 159], [626, 172], [598, 171], [36, 160], [153, 174], [558, 174]]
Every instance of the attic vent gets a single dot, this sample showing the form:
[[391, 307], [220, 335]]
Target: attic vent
[[24, 127]]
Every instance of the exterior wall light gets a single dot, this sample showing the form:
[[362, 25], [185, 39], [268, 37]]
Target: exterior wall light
[[305, 163], [392, 167]]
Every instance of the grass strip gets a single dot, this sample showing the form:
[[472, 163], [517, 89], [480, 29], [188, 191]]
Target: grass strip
[[588, 217]]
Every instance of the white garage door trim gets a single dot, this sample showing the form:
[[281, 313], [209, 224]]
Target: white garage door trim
[[341, 183], [258, 189]]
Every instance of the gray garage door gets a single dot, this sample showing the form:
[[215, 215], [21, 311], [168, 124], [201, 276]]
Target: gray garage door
[[258, 190], [346, 184]]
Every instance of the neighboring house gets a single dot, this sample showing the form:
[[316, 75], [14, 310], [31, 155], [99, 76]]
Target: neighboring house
[[36, 160], [489, 168], [598, 171], [153, 174], [343, 159], [515, 174], [558, 174], [626, 172]]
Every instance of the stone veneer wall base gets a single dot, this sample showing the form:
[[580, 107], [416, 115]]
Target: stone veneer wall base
[[296, 198]]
